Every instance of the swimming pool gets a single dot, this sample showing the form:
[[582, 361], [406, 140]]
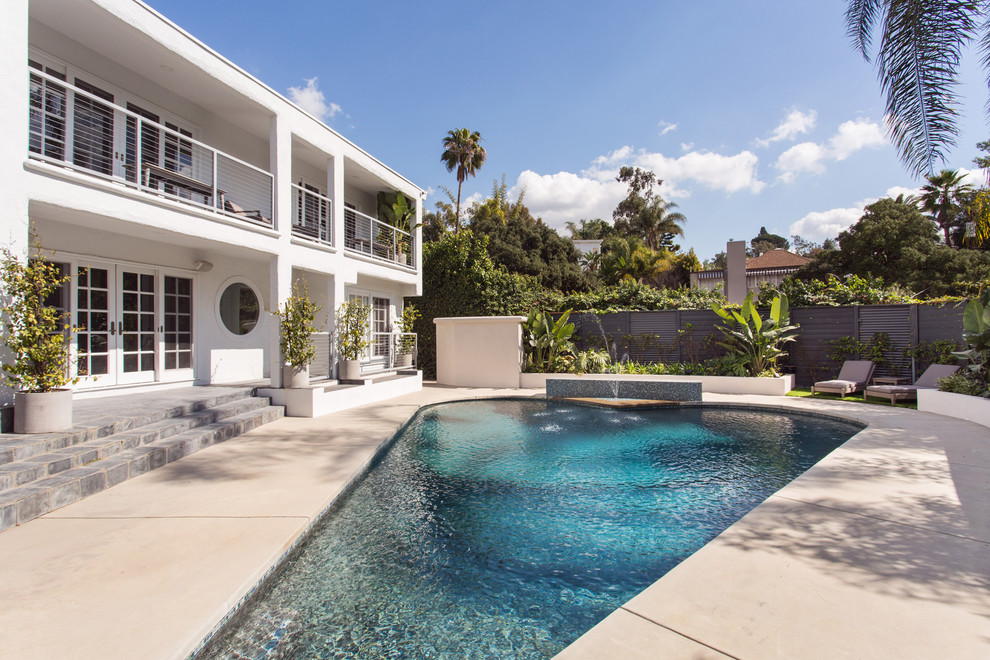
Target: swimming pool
[[507, 528]]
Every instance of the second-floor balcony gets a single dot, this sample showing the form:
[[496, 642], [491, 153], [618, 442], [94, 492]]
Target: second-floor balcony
[[78, 127], [377, 239]]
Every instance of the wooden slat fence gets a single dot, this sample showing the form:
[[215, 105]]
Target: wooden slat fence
[[688, 335]]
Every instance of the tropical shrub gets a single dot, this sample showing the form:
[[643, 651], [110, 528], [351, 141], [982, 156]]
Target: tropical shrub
[[591, 362], [928, 353], [36, 334], [547, 342], [352, 320], [877, 349], [296, 327], [756, 340], [976, 334], [962, 382]]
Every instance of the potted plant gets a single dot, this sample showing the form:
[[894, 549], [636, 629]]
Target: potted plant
[[406, 343], [352, 337], [37, 336], [396, 211], [296, 328]]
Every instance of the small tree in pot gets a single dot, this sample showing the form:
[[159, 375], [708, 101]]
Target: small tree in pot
[[406, 345], [36, 335], [296, 329], [352, 337]]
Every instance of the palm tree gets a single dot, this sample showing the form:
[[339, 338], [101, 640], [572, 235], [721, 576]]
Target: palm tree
[[941, 198], [463, 150], [918, 59], [657, 225]]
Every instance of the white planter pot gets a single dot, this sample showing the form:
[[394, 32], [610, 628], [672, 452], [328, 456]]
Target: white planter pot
[[42, 412], [349, 369], [403, 361], [295, 377]]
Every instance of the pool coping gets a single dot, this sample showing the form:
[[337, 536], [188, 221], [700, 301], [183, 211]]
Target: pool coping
[[696, 627]]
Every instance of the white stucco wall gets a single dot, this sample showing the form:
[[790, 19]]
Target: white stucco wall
[[479, 351], [132, 48]]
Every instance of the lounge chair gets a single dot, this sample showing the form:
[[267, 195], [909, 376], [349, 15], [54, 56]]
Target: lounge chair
[[853, 377], [927, 381], [231, 207]]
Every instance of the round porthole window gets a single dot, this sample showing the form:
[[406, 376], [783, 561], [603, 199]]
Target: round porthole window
[[239, 308]]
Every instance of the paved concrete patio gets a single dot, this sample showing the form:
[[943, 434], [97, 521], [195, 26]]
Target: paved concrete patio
[[880, 551]]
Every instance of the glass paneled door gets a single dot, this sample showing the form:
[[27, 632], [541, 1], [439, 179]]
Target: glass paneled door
[[135, 325]]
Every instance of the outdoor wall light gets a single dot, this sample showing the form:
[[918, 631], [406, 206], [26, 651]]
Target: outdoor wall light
[[203, 266]]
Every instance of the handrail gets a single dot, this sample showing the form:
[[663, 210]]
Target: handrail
[[380, 240], [400, 350], [312, 215], [183, 166]]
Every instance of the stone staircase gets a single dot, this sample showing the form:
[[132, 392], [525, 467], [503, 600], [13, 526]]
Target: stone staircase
[[118, 438]]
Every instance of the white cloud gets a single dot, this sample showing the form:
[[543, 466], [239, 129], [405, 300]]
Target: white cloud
[[311, 99], [855, 135], [594, 192], [794, 124], [804, 157], [850, 137], [819, 225], [666, 127], [565, 196], [712, 170], [687, 146]]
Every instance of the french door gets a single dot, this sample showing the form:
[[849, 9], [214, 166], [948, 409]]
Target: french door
[[135, 325], [377, 353]]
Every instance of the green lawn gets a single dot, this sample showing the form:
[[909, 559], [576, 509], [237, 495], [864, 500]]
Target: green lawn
[[853, 398]]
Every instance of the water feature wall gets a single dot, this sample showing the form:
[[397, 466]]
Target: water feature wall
[[610, 388]]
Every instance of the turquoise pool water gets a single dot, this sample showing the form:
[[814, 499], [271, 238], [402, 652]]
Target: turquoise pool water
[[508, 528]]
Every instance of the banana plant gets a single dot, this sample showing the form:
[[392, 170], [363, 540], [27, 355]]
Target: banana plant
[[976, 334], [757, 341], [546, 341]]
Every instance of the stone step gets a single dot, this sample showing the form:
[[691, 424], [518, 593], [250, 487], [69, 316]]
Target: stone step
[[26, 471], [94, 425], [23, 503]]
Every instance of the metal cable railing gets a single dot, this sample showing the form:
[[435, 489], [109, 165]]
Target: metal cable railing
[[80, 127], [312, 215], [378, 239]]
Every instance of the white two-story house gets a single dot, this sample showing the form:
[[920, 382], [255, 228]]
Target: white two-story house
[[184, 197]]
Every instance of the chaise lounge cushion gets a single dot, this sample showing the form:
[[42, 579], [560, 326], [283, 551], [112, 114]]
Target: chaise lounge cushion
[[853, 377], [927, 381]]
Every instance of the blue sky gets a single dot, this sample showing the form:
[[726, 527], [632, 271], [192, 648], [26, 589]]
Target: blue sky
[[754, 114]]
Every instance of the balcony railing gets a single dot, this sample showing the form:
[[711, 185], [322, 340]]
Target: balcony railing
[[312, 215], [391, 351], [82, 129], [378, 239]]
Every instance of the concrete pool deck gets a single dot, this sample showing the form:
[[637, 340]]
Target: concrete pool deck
[[882, 550]]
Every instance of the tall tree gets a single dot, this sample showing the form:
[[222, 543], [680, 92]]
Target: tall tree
[[765, 241], [644, 213], [942, 198], [462, 151], [918, 59]]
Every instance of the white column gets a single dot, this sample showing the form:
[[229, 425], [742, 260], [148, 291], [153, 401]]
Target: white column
[[280, 156], [13, 116], [418, 241], [14, 139], [280, 288], [280, 270], [335, 188]]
